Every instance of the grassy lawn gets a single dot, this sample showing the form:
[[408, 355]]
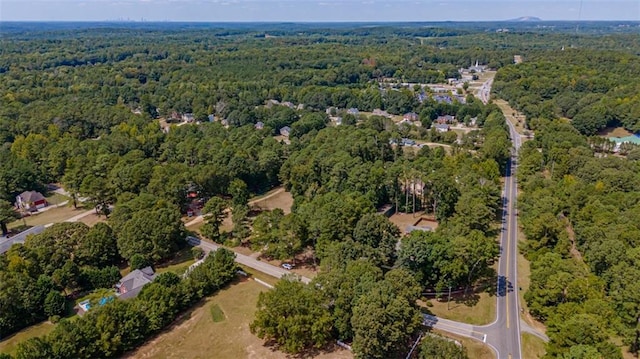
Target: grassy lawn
[[197, 335], [259, 275], [56, 198], [92, 219], [195, 227], [179, 263], [53, 215], [475, 349], [10, 344], [478, 309], [217, 315], [532, 346]]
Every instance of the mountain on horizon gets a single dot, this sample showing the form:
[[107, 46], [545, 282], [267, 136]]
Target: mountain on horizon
[[526, 18]]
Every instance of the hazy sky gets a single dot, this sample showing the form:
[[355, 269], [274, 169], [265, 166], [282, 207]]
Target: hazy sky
[[316, 10]]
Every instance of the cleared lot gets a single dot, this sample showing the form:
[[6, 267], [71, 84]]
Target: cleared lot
[[198, 335]]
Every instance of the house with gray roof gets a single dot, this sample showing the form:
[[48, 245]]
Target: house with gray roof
[[30, 201], [131, 284]]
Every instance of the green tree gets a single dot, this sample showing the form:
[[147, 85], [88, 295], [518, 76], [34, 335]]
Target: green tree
[[7, 215], [434, 347], [54, 304], [67, 276], [214, 212], [378, 233], [294, 316], [240, 193], [98, 247], [156, 234], [386, 318]]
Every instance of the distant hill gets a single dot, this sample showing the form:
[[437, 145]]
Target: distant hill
[[526, 18]]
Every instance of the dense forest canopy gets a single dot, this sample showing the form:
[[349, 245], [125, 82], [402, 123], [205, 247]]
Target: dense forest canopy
[[88, 106]]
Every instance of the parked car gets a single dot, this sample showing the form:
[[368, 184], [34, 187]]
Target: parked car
[[287, 266]]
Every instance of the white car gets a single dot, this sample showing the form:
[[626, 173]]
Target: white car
[[287, 266]]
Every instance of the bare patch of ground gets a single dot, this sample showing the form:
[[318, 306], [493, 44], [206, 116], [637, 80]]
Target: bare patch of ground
[[614, 132], [402, 220], [278, 198]]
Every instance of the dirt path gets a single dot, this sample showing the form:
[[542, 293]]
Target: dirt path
[[575, 253]]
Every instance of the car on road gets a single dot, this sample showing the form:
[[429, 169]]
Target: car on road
[[287, 266]]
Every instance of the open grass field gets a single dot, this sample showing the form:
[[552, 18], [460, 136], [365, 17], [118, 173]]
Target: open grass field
[[197, 335], [179, 263], [532, 346], [53, 215], [476, 309], [277, 198], [10, 344], [475, 349]]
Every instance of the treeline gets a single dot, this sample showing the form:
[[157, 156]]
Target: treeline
[[119, 326], [579, 214], [591, 87]]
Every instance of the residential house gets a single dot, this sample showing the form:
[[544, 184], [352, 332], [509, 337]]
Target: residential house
[[300, 107], [408, 142], [446, 119], [285, 131], [188, 117], [441, 127], [174, 117], [288, 104], [353, 111], [259, 125], [443, 99], [411, 116], [211, 117], [30, 201], [131, 284]]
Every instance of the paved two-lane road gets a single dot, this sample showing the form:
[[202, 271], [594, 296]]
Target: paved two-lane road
[[246, 260], [503, 335]]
